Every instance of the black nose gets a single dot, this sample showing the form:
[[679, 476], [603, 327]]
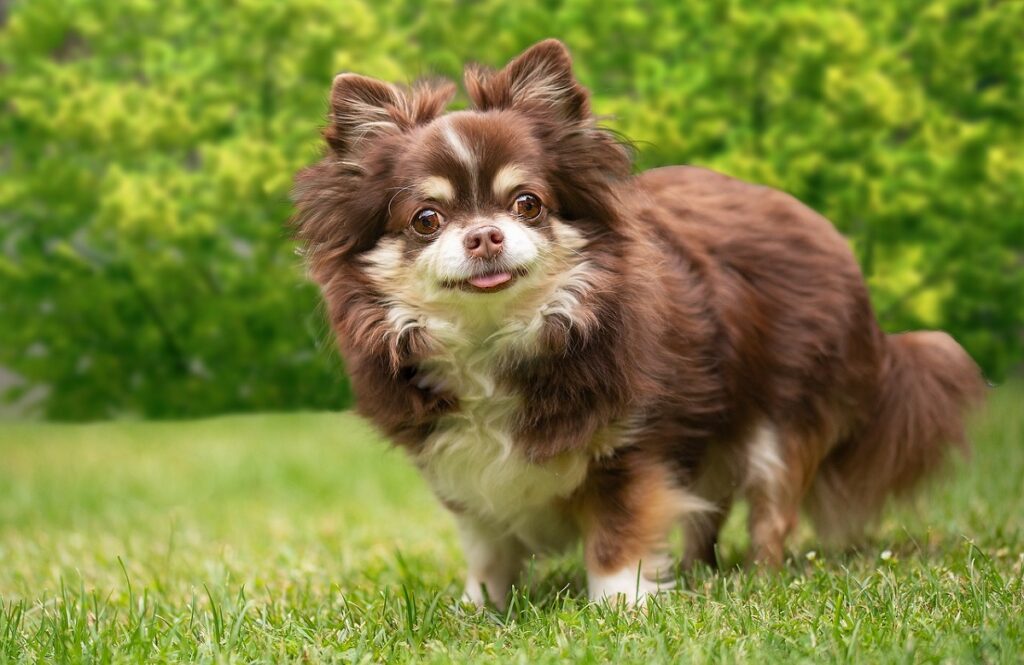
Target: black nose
[[484, 242]]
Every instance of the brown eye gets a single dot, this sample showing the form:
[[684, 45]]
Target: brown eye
[[527, 206], [426, 222]]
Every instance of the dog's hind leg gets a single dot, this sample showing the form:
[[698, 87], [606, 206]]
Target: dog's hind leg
[[716, 482], [700, 535], [781, 463]]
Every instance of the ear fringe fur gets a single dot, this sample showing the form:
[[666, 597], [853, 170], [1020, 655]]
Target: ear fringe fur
[[362, 107], [540, 79]]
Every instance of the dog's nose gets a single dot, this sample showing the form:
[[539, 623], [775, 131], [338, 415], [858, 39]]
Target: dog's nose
[[484, 242]]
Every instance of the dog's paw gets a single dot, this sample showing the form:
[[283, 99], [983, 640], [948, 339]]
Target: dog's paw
[[624, 586], [476, 594]]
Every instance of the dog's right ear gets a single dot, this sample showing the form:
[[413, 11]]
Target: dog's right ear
[[363, 108], [540, 81], [360, 107]]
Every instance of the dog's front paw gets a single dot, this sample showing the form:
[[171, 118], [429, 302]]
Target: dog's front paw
[[479, 595], [627, 585]]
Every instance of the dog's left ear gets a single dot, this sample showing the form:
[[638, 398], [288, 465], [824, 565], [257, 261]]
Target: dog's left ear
[[363, 108], [539, 81]]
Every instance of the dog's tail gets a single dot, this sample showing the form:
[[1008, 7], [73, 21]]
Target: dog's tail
[[927, 387]]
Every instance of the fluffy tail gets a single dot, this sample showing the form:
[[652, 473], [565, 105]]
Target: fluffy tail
[[927, 386]]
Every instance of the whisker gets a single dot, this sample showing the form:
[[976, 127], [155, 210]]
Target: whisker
[[395, 195]]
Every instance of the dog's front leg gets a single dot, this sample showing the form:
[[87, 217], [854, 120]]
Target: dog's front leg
[[628, 510], [620, 568], [494, 560]]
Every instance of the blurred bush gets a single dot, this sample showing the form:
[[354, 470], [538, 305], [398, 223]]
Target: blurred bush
[[148, 148]]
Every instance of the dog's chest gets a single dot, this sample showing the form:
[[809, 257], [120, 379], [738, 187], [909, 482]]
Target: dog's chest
[[471, 460]]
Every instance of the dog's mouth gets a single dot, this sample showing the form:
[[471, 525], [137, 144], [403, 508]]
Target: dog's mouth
[[490, 281]]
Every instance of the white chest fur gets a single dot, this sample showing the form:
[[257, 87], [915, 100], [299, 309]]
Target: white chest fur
[[472, 459]]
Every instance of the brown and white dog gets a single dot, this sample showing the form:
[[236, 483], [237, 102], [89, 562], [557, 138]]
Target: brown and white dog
[[570, 350]]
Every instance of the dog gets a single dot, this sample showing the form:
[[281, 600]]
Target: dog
[[571, 351]]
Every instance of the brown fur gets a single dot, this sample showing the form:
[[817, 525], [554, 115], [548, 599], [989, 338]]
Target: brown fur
[[628, 510], [713, 309]]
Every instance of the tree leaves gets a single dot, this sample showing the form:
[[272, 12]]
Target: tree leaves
[[148, 152]]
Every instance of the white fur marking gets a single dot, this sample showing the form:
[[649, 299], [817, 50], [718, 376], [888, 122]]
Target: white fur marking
[[493, 564], [446, 260], [688, 504], [567, 235], [459, 147], [385, 260], [470, 458], [764, 458], [634, 583]]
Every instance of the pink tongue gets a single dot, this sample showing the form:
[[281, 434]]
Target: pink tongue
[[490, 281]]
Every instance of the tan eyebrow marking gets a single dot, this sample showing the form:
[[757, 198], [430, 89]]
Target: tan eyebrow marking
[[507, 179], [437, 188]]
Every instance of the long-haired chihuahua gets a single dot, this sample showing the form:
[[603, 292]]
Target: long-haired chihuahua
[[569, 350]]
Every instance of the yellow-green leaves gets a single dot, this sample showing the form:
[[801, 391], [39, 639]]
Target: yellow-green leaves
[[148, 148]]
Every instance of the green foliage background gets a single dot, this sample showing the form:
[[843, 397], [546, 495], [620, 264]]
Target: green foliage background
[[148, 148]]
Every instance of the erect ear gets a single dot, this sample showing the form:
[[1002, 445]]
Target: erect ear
[[362, 107], [540, 80]]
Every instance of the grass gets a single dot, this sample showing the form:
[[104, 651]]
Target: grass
[[302, 537]]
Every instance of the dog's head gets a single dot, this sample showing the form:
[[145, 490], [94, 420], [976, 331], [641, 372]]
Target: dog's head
[[452, 208]]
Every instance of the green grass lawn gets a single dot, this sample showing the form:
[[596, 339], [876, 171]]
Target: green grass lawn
[[303, 537]]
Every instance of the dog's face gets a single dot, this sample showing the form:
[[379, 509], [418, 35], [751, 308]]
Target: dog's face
[[468, 209], [471, 212]]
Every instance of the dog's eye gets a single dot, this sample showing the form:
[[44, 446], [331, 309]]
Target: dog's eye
[[527, 206], [426, 222]]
